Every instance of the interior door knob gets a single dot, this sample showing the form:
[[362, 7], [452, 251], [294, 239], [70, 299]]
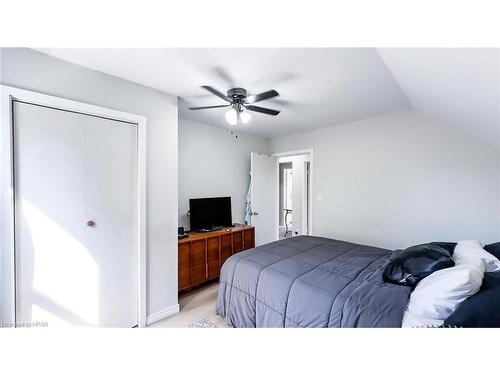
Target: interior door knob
[[91, 223]]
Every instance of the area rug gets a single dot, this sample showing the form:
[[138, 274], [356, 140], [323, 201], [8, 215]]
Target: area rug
[[203, 323]]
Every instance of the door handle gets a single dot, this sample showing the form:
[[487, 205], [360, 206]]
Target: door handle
[[254, 213], [91, 223]]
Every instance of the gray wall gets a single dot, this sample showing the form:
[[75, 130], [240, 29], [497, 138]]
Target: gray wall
[[31, 70], [213, 163], [400, 179]]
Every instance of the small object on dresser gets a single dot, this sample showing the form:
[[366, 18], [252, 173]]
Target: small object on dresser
[[181, 233]]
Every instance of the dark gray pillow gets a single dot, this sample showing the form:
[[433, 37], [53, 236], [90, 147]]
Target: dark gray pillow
[[409, 266], [493, 248], [482, 310]]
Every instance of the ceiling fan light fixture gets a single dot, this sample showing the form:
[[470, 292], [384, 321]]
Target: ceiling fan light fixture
[[241, 104], [245, 117], [232, 117]]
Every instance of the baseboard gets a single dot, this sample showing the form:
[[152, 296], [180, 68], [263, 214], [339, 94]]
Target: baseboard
[[162, 314]]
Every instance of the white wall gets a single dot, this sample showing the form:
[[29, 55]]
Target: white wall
[[31, 70], [212, 163], [400, 179]]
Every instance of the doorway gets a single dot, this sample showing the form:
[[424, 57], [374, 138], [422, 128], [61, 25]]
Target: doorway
[[280, 195], [294, 195], [285, 209]]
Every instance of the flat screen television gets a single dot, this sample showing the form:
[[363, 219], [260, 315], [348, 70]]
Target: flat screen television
[[210, 213]]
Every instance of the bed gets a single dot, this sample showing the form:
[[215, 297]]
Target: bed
[[308, 281]]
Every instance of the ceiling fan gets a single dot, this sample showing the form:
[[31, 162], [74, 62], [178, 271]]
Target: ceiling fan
[[241, 103]]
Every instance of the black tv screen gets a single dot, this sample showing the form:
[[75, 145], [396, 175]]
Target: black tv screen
[[206, 213]]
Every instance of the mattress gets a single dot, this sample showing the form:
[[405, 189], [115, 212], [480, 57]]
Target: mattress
[[308, 281]]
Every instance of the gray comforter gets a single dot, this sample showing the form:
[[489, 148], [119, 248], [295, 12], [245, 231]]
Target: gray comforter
[[308, 281]]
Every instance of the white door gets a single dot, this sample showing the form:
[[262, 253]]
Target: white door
[[76, 212], [264, 197]]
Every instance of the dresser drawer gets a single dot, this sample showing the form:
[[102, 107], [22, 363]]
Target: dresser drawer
[[237, 242]]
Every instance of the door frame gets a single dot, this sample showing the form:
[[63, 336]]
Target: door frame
[[8, 96], [310, 152]]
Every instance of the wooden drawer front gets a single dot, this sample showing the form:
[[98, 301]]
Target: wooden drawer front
[[237, 242], [198, 274], [184, 279], [198, 262], [225, 248], [184, 256], [213, 269], [213, 249], [197, 253], [248, 238], [213, 257]]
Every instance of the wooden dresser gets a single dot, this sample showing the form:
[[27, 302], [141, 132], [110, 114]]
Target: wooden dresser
[[201, 255]]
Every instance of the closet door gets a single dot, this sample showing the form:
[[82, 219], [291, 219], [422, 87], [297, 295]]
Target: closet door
[[72, 170], [56, 275], [111, 196]]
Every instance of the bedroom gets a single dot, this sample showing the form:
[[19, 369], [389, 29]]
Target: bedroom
[[424, 168], [402, 147], [311, 186]]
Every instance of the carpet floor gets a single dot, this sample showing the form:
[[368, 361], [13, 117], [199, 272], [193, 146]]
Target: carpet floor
[[195, 306]]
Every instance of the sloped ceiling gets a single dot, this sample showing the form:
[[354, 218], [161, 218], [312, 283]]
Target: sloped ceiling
[[318, 87], [459, 87]]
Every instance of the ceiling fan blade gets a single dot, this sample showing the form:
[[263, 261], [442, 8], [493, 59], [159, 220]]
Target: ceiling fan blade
[[267, 111], [218, 93], [262, 96], [211, 106]]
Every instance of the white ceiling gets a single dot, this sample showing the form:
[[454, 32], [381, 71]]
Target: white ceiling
[[459, 87], [318, 87]]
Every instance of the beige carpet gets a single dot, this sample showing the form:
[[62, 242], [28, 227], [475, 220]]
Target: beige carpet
[[195, 305]]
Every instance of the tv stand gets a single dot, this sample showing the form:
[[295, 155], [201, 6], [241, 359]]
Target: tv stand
[[201, 255]]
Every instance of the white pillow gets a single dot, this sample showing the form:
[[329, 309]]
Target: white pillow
[[436, 297], [474, 249]]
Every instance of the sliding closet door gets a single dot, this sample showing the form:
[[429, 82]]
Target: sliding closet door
[[52, 262], [76, 253], [112, 206]]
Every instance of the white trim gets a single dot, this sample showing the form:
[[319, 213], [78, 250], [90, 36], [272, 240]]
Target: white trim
[[310, 152], [294, 153], [142, 222], [7, 262], [162, 314]]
